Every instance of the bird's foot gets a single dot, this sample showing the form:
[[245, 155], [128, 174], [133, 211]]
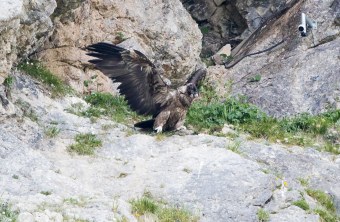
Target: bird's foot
[[158, 129], [181, 128]]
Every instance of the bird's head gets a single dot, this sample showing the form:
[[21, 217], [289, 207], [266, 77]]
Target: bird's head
[[192, 90]]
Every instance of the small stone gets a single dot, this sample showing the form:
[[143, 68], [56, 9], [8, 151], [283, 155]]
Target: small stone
[[25, 217], [222, 55]]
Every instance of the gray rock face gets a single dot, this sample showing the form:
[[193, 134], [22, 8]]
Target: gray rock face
[[24, 26], [300, 75], [41, 179]]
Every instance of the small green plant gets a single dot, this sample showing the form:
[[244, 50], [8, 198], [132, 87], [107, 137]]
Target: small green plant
[[262, 215], [6, 214], [144, 205], [160, 209], [208, 61], [187, 170], [52, 131], [256, 78], [46, 193], [80, 202], [120, 37], [326, 215], [14, 176], [85, 144], [234, 146], [205, 30], [323, 198], [303, 182], [326, 210], [41, 73], [302, 204], [8, 83], [226, 58]]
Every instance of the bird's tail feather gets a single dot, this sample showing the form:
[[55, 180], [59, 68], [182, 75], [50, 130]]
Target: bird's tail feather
[[145, 124]]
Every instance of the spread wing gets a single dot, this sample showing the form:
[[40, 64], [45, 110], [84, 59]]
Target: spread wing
[[141, 85]]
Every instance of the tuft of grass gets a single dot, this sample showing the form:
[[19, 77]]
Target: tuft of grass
[[144, 205], [303, 182], [234, 146], [255, 78], [8, 83], [120, 37], [326, 215], [326, 209], [205, 30], [211, 112], [163, 212], [6, 214], [302, 204], [175, 214], [105, 104], [14, 176], [85, 144], [52, 131], [262, 215], [324, 199], [80, 202], [46, 193], [38, 71]]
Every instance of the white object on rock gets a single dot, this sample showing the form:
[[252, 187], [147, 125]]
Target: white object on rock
[[221, 56]]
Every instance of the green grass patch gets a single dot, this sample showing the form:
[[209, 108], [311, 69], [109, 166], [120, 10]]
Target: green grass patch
[[304, 182], [211, 112], [326, 215], [38, 71], [326, 209], [302, 204], [52, 131], [6, 214], [205, 30], [85, 144], [105, 104], [262, 215], [163, 212], [324, 199], [46, 193]]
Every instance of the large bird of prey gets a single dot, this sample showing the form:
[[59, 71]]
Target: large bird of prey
[[145, 89]]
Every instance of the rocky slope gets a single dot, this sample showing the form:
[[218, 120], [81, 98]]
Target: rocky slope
[[199, 172]]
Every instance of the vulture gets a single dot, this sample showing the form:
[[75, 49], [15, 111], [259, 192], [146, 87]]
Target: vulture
[[146, 90]]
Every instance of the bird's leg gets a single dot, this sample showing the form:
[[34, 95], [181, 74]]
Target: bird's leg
[[160, 121], [180, 125]]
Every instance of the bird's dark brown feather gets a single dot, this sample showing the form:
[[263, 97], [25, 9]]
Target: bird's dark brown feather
[[141, 85]]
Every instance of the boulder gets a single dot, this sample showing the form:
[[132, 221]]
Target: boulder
[[24, 26]]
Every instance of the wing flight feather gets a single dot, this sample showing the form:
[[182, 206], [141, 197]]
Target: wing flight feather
[[141, 85]]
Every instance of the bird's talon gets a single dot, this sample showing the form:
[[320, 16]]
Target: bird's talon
[[158, 129]]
